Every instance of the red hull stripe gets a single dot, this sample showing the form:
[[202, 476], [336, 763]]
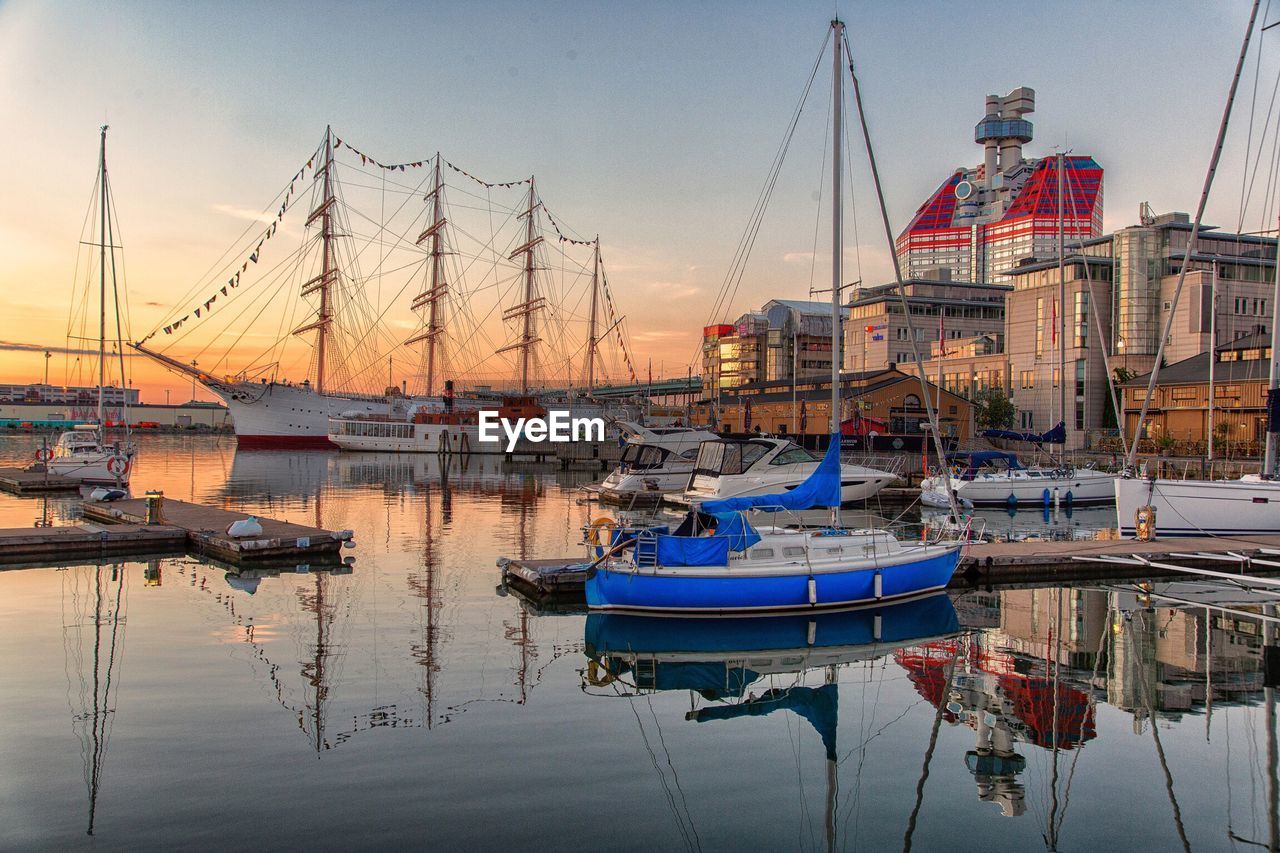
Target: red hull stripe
[[285, 442]]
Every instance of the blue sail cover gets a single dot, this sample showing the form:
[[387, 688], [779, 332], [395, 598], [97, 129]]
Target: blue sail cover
[[821, 488], [1057, 435], [818, 705]]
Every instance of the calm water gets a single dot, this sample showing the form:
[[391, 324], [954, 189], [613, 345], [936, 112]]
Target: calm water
[[407, 703]]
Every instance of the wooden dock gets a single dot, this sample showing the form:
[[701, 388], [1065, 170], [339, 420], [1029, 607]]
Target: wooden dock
[[24, 546], [558, 578], [984, 564], [20, 481], [1053, 560], [205, 530]]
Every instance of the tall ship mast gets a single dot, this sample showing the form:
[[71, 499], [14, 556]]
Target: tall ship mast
[[380, 251]]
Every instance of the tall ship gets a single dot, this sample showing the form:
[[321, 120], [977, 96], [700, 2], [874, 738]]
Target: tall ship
[[331, 304]]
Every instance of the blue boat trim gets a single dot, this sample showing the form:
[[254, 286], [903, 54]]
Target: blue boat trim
[[784, 608], [727, 591]]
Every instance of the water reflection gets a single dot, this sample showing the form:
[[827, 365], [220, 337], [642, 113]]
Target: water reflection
[[1009, 718], [717, 659], [94, 606]]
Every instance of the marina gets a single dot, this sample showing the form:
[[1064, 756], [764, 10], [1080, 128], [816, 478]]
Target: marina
[[409, 665], [448, 477]]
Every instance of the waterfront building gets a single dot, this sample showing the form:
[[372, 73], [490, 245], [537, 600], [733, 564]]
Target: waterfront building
[[885, 401], [1178, 420], [68, 395], [36, 415], [877, 336], [1033, 323], [983, 220], [785, 338]]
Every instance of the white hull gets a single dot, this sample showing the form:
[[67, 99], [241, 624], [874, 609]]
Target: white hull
[[281, 415], [1028, 485], [92, 469], [856, 483], [1200, 507], [656, 483], [405, 437]]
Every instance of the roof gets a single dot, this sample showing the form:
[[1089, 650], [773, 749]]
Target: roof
[[1195, 370], [802, 306], [1052, 263]]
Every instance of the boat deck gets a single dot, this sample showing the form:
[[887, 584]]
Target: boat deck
[[20, 481], [205, 530]]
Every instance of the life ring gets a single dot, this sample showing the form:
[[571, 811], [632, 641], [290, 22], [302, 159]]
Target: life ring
[[596, 535], [44, 454]]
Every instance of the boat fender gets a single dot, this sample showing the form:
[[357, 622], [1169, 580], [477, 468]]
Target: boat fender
[[1070, 497], [245, 527], [813, 591], [1012, 500], [878, 586], [1047, 497]]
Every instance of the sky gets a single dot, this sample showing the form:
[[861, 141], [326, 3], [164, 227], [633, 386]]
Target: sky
[[652, 124]]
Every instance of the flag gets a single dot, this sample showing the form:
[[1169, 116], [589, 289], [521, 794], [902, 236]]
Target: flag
[[804, 417], [1054, 322], [942, 334]]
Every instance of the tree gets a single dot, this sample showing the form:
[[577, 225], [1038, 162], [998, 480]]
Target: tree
[[993, 409]]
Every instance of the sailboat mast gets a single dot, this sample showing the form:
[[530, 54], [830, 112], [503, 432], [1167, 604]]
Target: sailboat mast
[[1213, 353], [1131, 460], [102, 278], [433, 322], [1061, 330], [592, 340], [326, 269], [1269, 459], [837, 227], [527, 336]]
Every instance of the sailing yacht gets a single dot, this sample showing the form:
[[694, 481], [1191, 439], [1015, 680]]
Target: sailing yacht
[[84, 453], [268, 412], [719, 561], [1250, 504], [996, 478]]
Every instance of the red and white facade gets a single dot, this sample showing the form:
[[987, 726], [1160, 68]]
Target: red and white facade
[[983, 221]]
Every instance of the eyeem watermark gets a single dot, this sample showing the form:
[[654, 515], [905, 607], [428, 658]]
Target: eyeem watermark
[[557, 427]]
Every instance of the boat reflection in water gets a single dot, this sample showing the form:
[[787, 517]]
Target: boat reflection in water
[[718, 658]]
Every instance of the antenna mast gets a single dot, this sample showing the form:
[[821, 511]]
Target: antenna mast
[[439, 287]]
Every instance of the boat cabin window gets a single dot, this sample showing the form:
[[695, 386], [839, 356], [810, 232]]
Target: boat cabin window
[[643, 457], [793, 455], [729, 457]]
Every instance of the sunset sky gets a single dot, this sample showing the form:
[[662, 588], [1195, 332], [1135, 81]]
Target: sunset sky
[[653, 124]]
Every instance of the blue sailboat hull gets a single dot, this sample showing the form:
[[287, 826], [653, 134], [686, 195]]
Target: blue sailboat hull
[[904, 621], [725, 592]]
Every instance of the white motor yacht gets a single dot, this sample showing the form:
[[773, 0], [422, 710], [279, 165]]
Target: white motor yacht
[[740, 467], [656, 461]]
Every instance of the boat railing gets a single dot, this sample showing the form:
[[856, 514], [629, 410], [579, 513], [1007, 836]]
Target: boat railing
[[889, 463]]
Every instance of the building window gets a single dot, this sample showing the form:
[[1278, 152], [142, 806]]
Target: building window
[[1082, 320], [1080, 370], [1039, 326]]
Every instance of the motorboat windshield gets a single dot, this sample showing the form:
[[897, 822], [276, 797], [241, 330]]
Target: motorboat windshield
[[736, 456]]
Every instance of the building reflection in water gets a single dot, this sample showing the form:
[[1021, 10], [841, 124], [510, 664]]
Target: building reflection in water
[[1034, 666]]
